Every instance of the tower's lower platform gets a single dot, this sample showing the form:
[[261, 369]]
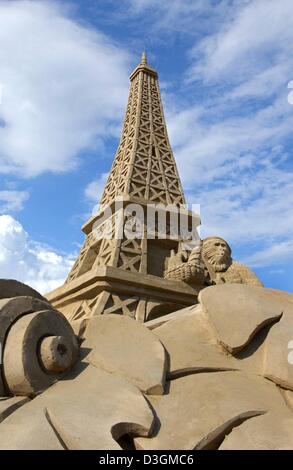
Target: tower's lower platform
[[112, 290]]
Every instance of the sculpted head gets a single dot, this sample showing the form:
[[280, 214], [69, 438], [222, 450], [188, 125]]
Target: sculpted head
[[217, 252]]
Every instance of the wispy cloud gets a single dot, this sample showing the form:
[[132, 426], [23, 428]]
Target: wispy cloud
[[179, 16], [279, 253], [12, 201], [256, 37], [93, 193], [94, 189], [63, 87], [26, 260]]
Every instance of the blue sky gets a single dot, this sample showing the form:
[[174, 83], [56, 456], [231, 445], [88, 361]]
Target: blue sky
[[224, 68]]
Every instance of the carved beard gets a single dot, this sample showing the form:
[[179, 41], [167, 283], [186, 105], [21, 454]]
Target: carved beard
[[219, 263]]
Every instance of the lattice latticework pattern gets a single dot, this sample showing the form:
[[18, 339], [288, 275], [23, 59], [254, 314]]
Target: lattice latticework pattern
[[144, 168], [125, 253], [144, 165]]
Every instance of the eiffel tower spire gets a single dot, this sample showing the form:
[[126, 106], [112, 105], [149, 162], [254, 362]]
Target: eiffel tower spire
[[143, 60], [120, 274], [144, 166]]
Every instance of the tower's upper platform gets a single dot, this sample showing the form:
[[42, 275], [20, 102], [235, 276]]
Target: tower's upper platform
[[143, 67]]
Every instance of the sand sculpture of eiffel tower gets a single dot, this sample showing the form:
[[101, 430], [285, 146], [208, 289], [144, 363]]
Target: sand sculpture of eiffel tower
[[125, 276]]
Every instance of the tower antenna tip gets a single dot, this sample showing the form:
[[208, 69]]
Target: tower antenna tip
[[143, 59]]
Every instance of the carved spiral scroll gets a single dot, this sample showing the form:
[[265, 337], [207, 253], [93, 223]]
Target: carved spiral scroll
[[38, 345]]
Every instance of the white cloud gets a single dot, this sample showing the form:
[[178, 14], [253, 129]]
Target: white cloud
[[93, 193], [28, 261], [64, 87], [258, 208], [256, 38], [177, 7], [12, 201], [182, 16], [279, 253], [209, 147], [95, 188]]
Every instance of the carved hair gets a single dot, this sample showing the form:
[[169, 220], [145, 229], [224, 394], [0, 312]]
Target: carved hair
[[211, 256]]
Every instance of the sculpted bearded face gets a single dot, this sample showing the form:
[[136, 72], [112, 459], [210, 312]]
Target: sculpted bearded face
[[217, 252]]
